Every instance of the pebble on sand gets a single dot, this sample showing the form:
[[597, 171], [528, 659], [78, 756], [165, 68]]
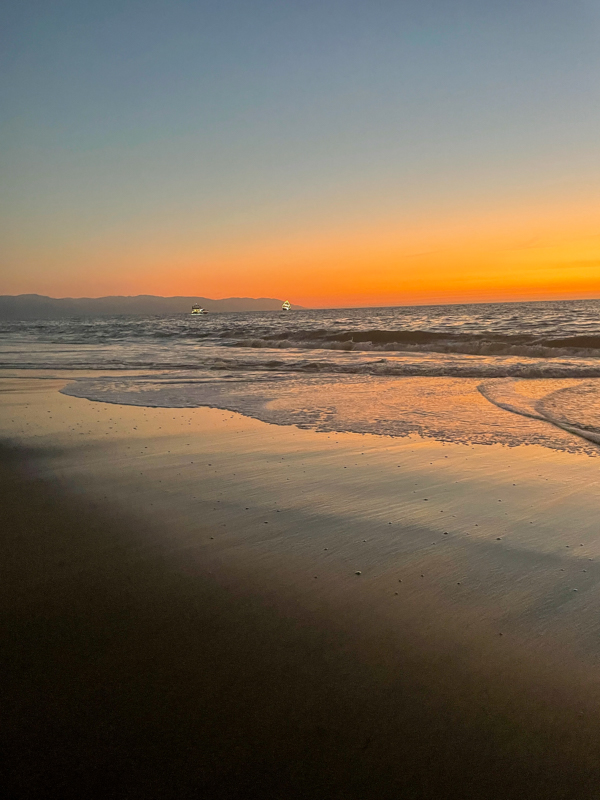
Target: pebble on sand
[[358, 572]]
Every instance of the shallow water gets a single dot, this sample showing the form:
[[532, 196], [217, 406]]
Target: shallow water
[[562, 415]]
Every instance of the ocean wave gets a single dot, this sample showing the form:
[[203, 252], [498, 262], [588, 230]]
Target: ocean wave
[[587, 346], [497, 340], [450, 366]]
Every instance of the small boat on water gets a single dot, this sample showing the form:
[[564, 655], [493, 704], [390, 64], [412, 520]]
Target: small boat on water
[[286, 306], [199, 310]]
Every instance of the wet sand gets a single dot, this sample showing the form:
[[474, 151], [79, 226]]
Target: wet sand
[[182, 614]]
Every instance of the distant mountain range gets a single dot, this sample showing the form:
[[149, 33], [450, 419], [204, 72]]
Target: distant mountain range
[[36, 306]]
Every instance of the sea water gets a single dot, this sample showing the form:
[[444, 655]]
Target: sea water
[[513, 373]]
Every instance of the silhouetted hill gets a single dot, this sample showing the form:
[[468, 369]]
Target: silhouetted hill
[[36, 306]]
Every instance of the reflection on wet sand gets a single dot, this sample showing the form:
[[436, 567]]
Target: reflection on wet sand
[[198, 600]]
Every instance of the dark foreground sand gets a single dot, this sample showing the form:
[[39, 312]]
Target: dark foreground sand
[[181, 615]]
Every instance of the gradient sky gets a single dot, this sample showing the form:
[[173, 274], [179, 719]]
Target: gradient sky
[[334, 153]]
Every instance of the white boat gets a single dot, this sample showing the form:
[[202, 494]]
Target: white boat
[[198, 310], [286, 306]]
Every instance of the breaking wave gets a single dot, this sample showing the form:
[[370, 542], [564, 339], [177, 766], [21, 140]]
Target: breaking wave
[[529, 346], [487, 340], [448, 366]]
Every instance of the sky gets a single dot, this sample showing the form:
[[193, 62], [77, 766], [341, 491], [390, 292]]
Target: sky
[[331, 152]]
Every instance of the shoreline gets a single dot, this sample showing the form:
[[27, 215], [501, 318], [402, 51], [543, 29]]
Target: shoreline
[[220, 640]]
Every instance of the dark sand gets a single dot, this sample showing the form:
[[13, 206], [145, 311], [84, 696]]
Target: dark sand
[[159, 647]]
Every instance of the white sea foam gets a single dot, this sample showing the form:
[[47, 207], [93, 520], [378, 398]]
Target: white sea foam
[[574, 408], [450, 409]]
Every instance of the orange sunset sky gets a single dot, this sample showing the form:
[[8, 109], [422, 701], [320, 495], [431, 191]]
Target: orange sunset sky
[[336, 154]]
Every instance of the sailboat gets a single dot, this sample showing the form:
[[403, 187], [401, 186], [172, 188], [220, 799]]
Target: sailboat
[[286, 306], [198, 310]]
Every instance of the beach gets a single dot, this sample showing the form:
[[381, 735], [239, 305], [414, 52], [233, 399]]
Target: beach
[[197, 603], [300, 401]]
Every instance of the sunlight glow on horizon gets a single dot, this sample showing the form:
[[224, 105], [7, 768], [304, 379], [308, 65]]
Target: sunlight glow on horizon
[[520, 255]]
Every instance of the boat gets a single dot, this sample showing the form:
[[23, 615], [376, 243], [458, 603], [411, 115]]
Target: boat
[[198, 310], [286, 306]]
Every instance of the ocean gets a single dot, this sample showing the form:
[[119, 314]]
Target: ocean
[[507, 373]]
